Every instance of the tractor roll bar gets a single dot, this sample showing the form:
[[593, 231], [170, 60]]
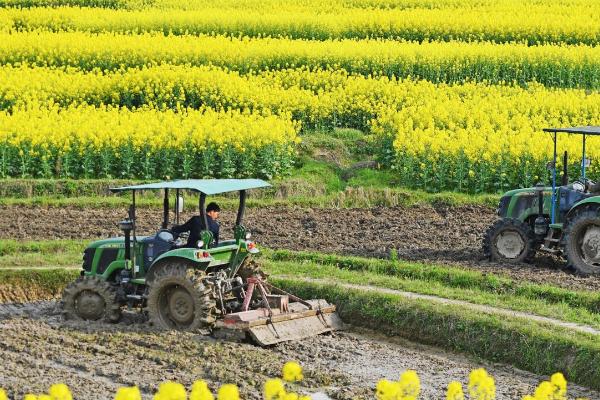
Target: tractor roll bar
[[202, 210], [165, 223], [134, 235], [241, 208], [554, 138], [583, 161], [176, 206]]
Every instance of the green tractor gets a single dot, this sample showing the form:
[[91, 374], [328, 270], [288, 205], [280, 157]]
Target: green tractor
[[206, 288], [562, 220]]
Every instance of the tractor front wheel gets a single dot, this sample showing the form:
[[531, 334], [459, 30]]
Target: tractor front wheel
[[91, 298], [509, 240], [583, 243], [181, 299]]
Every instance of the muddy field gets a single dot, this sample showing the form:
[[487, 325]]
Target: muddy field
[[449, 235], [38, 348]]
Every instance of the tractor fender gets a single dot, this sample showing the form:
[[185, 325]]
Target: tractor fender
[[585, 204], [191, 256]]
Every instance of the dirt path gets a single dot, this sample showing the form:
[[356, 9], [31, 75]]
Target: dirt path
[[38, 349], [442, 234], [477, 307]]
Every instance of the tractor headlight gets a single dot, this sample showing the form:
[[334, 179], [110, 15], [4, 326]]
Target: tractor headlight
[[200, 244], [248, 235]]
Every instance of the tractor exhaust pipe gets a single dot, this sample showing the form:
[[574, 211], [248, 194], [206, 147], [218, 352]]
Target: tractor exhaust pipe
[[127, 226], [565, 176], [541, 225]]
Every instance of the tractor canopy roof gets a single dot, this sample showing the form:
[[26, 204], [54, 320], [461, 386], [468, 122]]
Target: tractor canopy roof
[[206, 186], [581, 130]]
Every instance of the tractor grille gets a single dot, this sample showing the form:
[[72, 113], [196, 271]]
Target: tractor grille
[[523, 203], [88, 257], [106, 257]]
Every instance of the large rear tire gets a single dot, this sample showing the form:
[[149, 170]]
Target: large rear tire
[[510, 241], [91, 298], [181, 299], [582, 243]]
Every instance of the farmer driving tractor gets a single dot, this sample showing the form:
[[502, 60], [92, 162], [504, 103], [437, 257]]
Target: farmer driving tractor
[[195, 226]]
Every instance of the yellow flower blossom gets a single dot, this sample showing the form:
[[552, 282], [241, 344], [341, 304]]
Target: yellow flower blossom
[[455, 391], [128, 393], [200, 391], [481, 385], [60, 391], [409, 385], [386, 390], [273, 389], [292, 372], [228, 392], [170, 391]]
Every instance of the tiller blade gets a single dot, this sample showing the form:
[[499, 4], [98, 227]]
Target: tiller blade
[[282, 320]]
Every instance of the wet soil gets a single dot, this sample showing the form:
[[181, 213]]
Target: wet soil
[[440, 234], [38, 348]]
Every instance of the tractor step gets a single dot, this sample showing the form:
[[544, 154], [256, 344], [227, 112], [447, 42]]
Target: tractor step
[[552, 241], [298, 322], [550, 250]]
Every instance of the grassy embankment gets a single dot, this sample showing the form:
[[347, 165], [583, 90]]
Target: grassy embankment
[[531, 345], [333, 169]]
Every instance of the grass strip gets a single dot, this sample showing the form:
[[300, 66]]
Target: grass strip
[[444, 281], [295, 191], [452, 277], [31, 285], [531, 346], [41, 254], [541, 307], [18, 247]]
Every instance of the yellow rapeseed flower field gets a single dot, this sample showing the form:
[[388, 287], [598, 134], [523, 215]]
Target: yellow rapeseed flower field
[[451, 93], [449, 62], [473, 136], [532, 23], [86, 141]]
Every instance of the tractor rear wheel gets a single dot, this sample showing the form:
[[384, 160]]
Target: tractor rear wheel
[[583, 243], [181, 299], [91, 298], [509, 240]]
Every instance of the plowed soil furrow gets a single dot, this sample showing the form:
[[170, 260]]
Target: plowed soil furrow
[[94, 359], [441, 234]]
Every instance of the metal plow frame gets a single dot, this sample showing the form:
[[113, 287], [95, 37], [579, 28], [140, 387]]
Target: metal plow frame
[[281, 320], [298, 323]]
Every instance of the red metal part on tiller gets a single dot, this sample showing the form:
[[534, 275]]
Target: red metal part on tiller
[[249, 291], [252, 283]]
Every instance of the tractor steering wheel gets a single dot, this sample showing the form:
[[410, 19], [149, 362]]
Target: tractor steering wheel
[[166, 235], [579, 186]]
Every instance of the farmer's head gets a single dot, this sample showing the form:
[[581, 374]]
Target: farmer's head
[[213, 210]]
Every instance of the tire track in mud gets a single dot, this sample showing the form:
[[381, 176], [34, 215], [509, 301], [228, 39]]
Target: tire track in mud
[[440, 234], [94, 359]]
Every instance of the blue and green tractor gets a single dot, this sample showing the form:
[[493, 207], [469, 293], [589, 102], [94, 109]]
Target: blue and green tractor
[[561, 219], [207, 287]]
